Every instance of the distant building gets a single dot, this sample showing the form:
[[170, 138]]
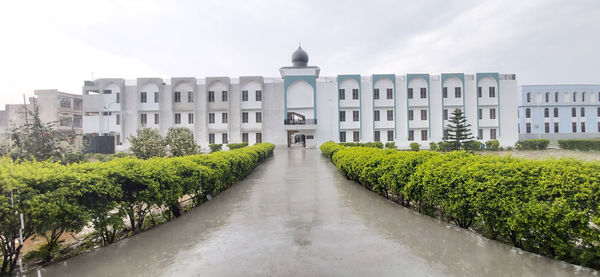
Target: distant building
[[559, 111], [304, 108]]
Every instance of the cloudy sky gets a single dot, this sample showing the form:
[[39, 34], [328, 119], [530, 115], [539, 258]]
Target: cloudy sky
[[58, 44]]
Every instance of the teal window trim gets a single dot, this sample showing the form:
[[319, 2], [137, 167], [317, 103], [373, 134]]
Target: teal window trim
[[374, 79], [461, 77], [495, 76], [340, 79], [289, 80], [410, 77]]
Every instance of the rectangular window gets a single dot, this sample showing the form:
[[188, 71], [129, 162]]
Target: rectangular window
[[177, 96], [119, 140], [224, 118], [65, 103], [423, 134], [355, 93], [390, 115], [376, 94], [390, 135], [224, 138], [457, 92], [143, 119], [582, 112], [411, 114], [556, 127], [258, 137], [492, 133], [492, 92], [355, 116], [479, 94], [389, 93], [118, 97], [190, 96], [177, 118], [107, 91], [376, 116], [444, 92], [156, 118], [118, 119], [423, 114], [355, 136], [410, 93], [211, 96], [547, 127], [342, 116], [492, 113], [598, 127], [342, 136], [156, 97], [224, 96], [480, 114], [480, 134], [445, 114], [574, 127], [573, 112], [583, 127], [258, 95], [411, 135], [342, 94], [377, 136], [211, 118], [211, 138], [423, 92], [245, 137], [244, 95], [244, 117], [190, 118], [258, 117], [528, 128], [143, 97]]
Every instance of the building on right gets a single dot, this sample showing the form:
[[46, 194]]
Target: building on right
[[559, 112]]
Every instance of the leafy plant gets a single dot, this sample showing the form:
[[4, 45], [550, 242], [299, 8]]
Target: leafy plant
[[414, 146], [493, 145], [180, 142], [147, 144], [215, 147]]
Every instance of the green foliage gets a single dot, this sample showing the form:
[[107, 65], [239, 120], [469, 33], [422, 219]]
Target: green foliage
[[414, 146], [548, 207], [214, 147], [233, 146], [458, 133], [532, 144], [445, 146], [433, 146], [580, 144], [493, 145], [147, 144], [472, 145], [390, 144], [180, 142], [376, 144]]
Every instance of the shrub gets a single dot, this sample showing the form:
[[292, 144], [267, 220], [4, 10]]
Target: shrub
[[532, 144], [214, 147], [376, 144], [445, 146], [390, 144], [233, 146], [493, 145], [580, 144], [472, 145], [433, 146], [414, 146]]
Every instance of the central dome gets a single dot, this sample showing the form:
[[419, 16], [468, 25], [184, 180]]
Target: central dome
[[300, 58]]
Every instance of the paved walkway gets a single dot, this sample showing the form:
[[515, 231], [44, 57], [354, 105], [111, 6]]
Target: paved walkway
[[295, 215]]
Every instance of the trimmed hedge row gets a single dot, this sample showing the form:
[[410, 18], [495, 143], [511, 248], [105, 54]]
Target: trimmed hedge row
[[376, 144], [233, 146], [550, 207], [532, 144], [580, 144]]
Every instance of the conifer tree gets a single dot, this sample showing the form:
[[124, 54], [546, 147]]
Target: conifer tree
[[457, 131]]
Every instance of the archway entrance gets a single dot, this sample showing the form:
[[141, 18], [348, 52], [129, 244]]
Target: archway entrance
[[296, 139]]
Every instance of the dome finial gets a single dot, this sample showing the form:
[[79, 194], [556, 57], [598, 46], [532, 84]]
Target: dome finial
[[300, 57]]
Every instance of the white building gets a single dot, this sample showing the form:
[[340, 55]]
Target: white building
[[303, 106], [559, 111]]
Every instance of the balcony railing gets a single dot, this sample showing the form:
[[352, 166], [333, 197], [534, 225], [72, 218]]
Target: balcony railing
[[300, 121]]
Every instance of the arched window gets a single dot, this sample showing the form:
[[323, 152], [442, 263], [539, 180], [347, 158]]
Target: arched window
[[556, 97], [546, 112], [573, 112], [555, 112], [583, 96], [574, 96], [582, 112], [547, 97], [529, 97], [527, 113]]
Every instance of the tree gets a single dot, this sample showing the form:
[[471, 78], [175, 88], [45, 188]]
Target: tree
[[180, 142], [458, 132], [147, 144]]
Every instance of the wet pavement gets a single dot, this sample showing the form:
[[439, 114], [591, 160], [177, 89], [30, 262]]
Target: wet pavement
[[296, 215]]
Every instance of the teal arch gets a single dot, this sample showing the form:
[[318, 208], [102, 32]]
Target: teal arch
[[356, 77], [374, 79], [461, 77], [495, 76], [410, 77], [289, 80]]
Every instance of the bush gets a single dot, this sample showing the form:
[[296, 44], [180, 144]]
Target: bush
[[414, 146], [390, 144], [445, 146], [493, 145], [580, 144], [214, 147], [472, 145], [433, 146], [233, 146], [532, 144], [376, 144]]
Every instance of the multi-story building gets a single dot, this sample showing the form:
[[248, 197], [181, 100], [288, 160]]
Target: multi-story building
[[303, 107], [559, 111]]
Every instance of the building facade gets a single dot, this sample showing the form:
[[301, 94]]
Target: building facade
[[559, 111], [302, 107]]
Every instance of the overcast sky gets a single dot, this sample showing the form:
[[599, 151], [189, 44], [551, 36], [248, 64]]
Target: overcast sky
[[59, 44]]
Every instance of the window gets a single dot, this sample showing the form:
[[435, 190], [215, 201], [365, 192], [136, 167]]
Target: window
[[244, 95], [492, 92], [376, 94], [555, 112], [143, 97], [423, 114], [445, 114], [190, 96], [480, 134], [423, 134], [258, 95], [389, 93], [480, 113], [65, 121], [582, 112], [118, 100], [245, 137], [528, 128], [211, 118], [343, 116], [258, 117], [556, 127], [211, 96], [342, 136], [547, 97], [556, 97], [177, 118], [574, 127], [156, 97], [190, 118], [423, 92], [479, 89], [492, 113], [245, 117], [119, 140], [583, 127], [376, 116], [411, 135], [547, 127], [355, 136], [224, 118], [546, 112], [390, 135], [574, 97], [106, 113], [224, 96], [355, 94], [107, 91], [527, 113], [143, 119], [258, 137], [177, 96], [573, 112], [411, 114], [224, 138], [598, 111], [457, 92], [65, 103], [492, 133], [410, 93], [444, 92], [211, 138], [355, 116], [156, 118], [118, 119], [390, 115], [377, 136], [342, 94]]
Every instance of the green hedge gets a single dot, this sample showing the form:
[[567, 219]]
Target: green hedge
[[580, 144], [550, 207], [532, 144], [233, 146], [376, 144], [215, 147]]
